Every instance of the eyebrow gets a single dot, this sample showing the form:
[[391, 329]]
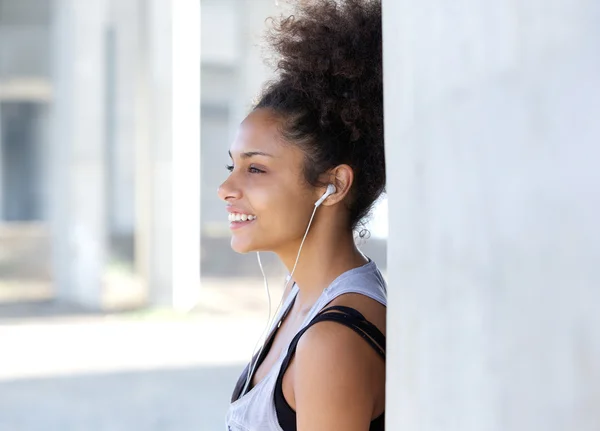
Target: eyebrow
[[249, 154]]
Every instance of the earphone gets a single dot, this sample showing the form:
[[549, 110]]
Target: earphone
[[330, 190], [271, 320]]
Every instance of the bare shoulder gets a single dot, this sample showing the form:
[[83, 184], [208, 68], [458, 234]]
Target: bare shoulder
[[339, 379], [336, 385]]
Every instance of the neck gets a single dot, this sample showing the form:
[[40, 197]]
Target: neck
[[327, 252]]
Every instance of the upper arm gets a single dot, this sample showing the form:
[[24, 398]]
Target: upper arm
[[334, 385]]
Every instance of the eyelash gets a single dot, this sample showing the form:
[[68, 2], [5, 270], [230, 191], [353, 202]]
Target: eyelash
[[251, 169]]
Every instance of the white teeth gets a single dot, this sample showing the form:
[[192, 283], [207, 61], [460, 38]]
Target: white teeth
[[241, 217]]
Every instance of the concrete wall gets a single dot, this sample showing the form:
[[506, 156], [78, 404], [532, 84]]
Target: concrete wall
[[492, 136]]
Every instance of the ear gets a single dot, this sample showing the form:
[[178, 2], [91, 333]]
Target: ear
[[341, 177]]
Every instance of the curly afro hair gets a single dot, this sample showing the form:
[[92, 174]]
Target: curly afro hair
[[328, 93]]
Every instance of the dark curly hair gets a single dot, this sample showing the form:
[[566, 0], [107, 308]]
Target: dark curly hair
[[328, 93]]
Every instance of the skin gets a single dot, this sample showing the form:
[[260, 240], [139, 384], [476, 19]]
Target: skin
[[336, 380]]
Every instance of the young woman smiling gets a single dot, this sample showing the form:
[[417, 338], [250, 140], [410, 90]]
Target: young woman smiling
[[307, 166]]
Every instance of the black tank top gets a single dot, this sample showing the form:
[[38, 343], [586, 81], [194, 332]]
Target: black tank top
[[348, 317]]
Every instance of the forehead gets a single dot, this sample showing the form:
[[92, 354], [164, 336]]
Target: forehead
[[259, 132]]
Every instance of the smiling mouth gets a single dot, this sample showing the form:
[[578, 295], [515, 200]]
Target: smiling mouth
[[237, 221], [236, 218]]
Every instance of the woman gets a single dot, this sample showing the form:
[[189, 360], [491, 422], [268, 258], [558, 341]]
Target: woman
[[319, 123]]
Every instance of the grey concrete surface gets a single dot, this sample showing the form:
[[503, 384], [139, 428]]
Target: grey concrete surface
[[186, 399], [492, 139], [63, 369]]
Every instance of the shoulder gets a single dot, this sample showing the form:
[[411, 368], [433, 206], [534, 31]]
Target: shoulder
[[337, 378], [335, 342], [331, 342]]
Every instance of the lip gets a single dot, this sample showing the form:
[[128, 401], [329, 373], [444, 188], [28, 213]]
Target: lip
[[236, 210], [234, 225]]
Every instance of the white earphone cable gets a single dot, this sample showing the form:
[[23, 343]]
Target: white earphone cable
[[264, 332]]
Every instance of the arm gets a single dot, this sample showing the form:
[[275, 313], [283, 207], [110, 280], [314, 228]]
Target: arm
[[334, 382]]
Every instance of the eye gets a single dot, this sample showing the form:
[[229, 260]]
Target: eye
[[255, 170]]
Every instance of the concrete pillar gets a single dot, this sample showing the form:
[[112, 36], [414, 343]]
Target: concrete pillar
[[43, 155], [124, 33], [78, 138], [168, 152], [492, 132]]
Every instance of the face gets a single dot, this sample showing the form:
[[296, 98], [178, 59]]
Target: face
[[266, 187]]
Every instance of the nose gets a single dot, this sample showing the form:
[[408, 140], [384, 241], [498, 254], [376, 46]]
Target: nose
[[228, 190]]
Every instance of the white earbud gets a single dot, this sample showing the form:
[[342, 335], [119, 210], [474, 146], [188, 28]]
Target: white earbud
[[330, 190]]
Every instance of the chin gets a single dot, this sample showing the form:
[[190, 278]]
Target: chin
[[246, 245], [241, 246]]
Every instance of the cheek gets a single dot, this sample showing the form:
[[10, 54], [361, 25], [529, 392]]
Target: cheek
[[284, 208], [284, 213], [273, 197], [282, 219]]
